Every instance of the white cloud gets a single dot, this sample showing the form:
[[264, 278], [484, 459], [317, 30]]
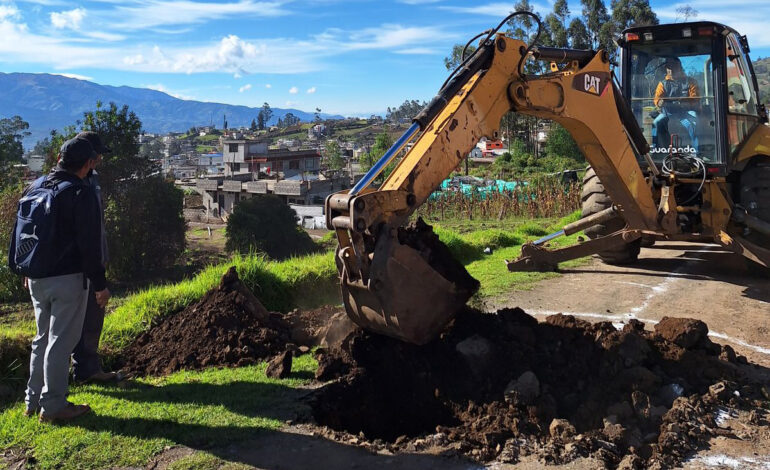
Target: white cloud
[[497, 9], [70, 19], [267, 85], [419, 51], [8, 11], [244, 88], [160, 87], [74, 75], [291, 103], [293, 90], [155, 13], [311, 90]]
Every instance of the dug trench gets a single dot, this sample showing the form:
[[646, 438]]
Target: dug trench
[[502, 386]]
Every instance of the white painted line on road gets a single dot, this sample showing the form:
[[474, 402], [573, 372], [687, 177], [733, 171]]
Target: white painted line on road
[[758, 349], [624, 317], [637, 284]]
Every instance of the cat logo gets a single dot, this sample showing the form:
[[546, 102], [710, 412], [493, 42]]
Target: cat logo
[[594, 83]]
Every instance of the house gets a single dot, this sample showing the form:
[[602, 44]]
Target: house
[[35, 163], [251, 168], [246, 156]]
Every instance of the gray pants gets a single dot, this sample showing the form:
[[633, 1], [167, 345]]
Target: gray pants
[[85, 357], [60, 306]]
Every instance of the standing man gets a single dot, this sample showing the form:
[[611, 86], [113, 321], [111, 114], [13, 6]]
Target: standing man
[[86, 366], [55, 245]]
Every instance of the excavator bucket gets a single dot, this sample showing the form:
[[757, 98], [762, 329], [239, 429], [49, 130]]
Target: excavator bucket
[[413, 292]]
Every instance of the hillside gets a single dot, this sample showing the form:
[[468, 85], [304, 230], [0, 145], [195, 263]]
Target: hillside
[[52, 101], [762, 69]]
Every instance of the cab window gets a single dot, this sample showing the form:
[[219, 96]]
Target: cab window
[[742, 111]]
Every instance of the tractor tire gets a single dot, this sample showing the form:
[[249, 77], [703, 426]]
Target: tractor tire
[[755, 198], [595, 199]]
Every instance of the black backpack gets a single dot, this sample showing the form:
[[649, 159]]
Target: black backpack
[[32, 251]]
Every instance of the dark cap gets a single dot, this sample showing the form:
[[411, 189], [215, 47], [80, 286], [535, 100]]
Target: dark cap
[[95, 141], [76, 151]]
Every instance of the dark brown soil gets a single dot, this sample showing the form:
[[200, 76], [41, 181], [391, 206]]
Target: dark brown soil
[[227, 327], [502, 386]]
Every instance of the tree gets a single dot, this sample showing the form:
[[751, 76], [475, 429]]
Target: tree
[[456, 57], [266, 224], [685, 12], [267, 113], [595, 16], [253, 126], [334, 158], [317, 116], [290, 120], [119, 129], [579, 37], [628, 13], [12, 132], [261, 119], [562, 152], [11, 288], [145, 227]]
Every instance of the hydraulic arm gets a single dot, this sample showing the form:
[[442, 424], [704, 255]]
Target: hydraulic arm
[[390, 287]]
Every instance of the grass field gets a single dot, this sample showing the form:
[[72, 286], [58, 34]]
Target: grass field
[[204, 410]]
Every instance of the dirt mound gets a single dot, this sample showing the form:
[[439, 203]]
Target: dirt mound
[[227, 327], [502, 386]]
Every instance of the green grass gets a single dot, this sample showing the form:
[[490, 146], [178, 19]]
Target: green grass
[[128, 426]]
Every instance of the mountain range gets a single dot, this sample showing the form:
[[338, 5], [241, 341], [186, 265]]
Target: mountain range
[[50, 102]]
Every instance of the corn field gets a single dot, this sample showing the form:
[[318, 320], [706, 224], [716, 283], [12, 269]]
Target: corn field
[[546, 199]]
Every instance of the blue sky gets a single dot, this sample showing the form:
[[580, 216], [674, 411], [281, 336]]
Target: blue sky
[[354, 57]]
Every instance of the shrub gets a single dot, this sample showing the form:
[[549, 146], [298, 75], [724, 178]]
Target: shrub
[[266, 224], [11, 288], [145, 228]]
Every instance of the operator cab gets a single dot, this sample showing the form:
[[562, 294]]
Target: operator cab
[[691, 88]]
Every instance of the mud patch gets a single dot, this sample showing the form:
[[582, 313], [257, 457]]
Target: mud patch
[[503, 386]]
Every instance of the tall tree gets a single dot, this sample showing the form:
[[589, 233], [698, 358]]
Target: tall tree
[[261, 119], [253, 126], [579, 37], [12, 131], [685, 12], [334, 158], [119, 129], [628, 13], [317, 116], [267, 113], [595, 16], [455, 58]]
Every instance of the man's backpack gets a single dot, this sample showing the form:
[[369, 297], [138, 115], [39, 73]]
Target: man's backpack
[[32, 251]]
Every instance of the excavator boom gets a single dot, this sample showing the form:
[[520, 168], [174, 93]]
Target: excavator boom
[[395, 289]]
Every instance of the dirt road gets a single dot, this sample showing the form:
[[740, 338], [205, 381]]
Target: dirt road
[[671, 279]]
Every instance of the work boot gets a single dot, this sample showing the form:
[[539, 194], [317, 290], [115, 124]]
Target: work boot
[[69, 412], [102, 378]]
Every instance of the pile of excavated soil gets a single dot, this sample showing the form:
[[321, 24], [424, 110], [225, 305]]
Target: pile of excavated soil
[[504, 386], [227, 327]]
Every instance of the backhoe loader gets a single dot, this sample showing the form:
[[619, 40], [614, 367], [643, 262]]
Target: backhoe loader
[[676, 143]]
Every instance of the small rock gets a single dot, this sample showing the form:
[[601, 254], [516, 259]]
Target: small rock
[[630, 462], [303, 349], [719, 390], [561, 429], [474, 347], [487, 251], [524, 390], [641, 404], [280, 366]]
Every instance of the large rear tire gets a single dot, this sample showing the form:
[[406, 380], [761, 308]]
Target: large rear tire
[[755, 198], [594, 199]]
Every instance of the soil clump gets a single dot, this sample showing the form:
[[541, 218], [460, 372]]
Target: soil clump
[[227, 327], [503, 386]]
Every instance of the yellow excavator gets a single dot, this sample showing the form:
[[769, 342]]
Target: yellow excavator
[[676, 141]]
